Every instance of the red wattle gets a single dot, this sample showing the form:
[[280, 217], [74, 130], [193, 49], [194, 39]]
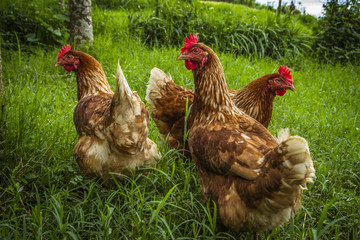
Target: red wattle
[[68, 68], [280, 92], [190, 65]]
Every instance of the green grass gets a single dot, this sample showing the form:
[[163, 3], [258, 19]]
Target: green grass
[[228, 28], [44, 195]]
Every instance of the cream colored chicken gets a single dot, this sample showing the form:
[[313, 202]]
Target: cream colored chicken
[[112, 128]]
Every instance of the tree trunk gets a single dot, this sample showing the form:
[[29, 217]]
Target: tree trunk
[[2, 98], [279, 9], [1, 83], [81, 29], [1, 86]]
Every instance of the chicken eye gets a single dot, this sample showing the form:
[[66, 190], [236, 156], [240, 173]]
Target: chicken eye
[[68, 57], [278, 80], [196, 51]]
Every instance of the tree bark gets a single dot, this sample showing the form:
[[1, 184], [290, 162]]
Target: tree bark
[[1, 83], [1, 86], [81, 29], [2, 98], [279, 9]]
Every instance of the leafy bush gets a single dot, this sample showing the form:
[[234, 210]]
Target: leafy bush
[[226, 33], [166, 25], [32, 22], [307, 20], [124, 4], [339, 32]]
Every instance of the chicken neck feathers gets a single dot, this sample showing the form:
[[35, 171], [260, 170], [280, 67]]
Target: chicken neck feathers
[[256, 100], [91, 79]]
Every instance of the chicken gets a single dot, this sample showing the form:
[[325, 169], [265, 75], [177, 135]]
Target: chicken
[[112, 128], [167, 101], [255, 180]]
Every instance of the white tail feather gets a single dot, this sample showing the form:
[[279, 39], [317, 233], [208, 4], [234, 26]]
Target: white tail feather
[[297, 170], [283, 134], [122, 85], [157, 80], [297, 160]]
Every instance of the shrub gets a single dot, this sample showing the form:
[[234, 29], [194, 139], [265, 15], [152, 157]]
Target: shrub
[[31, 22], [225, 32], [167, 25], [339, 32], [124, 4]]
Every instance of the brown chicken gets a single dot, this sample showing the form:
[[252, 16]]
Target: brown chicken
[[167, 101], [255, 180], [112, 128]]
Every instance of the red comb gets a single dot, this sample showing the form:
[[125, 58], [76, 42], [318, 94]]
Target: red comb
[[189, 41], [63, 50], [285, 71]]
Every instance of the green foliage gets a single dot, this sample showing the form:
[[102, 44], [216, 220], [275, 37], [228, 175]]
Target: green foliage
[[307, 20], [250, 3], [135, 5], [43, 193], [167, 25], [226, 32], [32, 22], [339, 32], [110, 22]]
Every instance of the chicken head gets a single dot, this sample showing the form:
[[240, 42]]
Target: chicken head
[[67, 60], [279, 84], [193, 55]]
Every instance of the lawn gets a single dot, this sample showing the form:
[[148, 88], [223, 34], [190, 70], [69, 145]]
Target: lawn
[[44, 195]]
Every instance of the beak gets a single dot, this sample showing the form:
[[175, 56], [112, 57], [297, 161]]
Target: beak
[[182, 57], [58, 63], [291, 87]]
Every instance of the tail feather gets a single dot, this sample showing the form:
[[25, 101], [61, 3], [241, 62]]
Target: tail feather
[[283, 134], [296, 170], [122, 86], [157, 81], [298, 165], [124, 99], [297, 158]]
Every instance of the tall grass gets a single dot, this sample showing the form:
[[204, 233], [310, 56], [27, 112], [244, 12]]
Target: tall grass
[[43, 194], [230, 31]]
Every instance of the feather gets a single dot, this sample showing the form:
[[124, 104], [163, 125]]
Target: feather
[[283, 134], [123, 93]]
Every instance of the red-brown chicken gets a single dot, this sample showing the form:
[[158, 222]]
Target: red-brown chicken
[[112, 128], [255, 180], [167, 101]]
